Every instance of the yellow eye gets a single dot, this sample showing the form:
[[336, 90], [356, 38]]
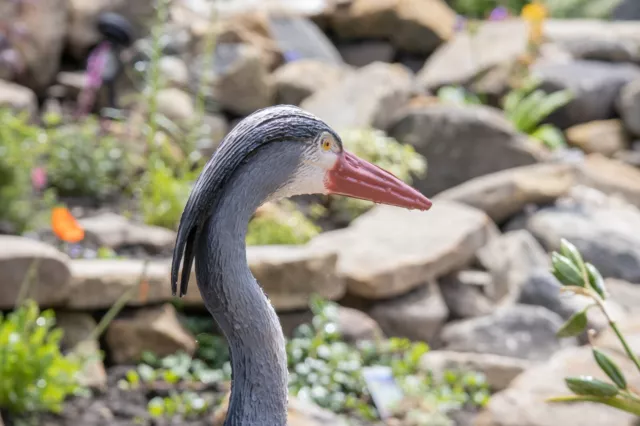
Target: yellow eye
[[326, 144]]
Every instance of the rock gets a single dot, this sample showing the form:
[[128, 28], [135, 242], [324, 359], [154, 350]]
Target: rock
[[115, 231], [630, 328], [355, 325], [498, 370], [604, 137], [418, 315], [611, 177], [298, 80], [462, 143], [40, 47], [77, 328], [510, 259], [174, 71], [469, 56], [367, 97], [628, 105], [51, 278], [240, 82], [625, 294], [18, 98], [503, 194], [595, 86], [388, 251], [415, 26], [626, 10], [463, 294], [600, 232], [524, 402], [520, 331], [215, 128], [156, 330], [360, 54], [175, 104]]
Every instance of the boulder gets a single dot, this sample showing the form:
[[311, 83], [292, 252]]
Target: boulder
[[388, 251], [174, 72], [156, 330], [51, 275], [628, 105], [600, 230], [355, 325], [115, 231], [519, 331], [468, 56], [625, 294], [511, 258], [298, 80], [524, 402], [215, 127], [18, 98], [362, 53], [367, 97], [595, 86], [498, 370], [416, 26], [40, 47], [606, 137], [462, 143], [503, 194], [611, 177], [463, 293], [418, 315], [175, 104]]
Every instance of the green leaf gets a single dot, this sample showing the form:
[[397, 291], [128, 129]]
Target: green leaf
[[575, 325], [571, 252], [587, 385], [610, 368], [547, 105], [550, 136], [596, 282], [565, 270]]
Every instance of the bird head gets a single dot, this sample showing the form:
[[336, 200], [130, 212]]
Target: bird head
[[310, 160]]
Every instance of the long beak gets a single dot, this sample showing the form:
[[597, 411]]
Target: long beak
[[357, 178]]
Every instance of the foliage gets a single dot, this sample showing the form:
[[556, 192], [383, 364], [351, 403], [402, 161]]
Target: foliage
[[527, 106], [164, 196], [457, 95], [282, 225], [211, 348], [594, 9], [34, 375], [384, 151], [328, 371], [480, 9], [580, 277]]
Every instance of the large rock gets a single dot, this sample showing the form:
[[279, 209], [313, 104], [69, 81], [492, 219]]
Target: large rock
[[625, 294], [503, 194], [417, 26], [524, 402], [175, 104], [18, 98], [298, 80], [611, 177], [51, 278], [365, 52], [355, 325], [156, 330], [605, 137], [115, 231], [363, 98], [40, 47], [602, 233], [239, 80], [520, 331], [461, 143], [595, 86], [468, 56], [498, 370], [628, 104], [511, 258], [389, 251], [418, 315], [463, 293]]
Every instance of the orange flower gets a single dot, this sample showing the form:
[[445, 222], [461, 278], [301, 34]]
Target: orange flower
[[534, 12], [65, 225]]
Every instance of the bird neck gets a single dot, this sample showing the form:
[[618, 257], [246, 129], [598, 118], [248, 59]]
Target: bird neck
[[238, 304]]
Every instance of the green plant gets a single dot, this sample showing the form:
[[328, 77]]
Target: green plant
[[480, 9], [282, 225], [328, 371], [211, 348], [526, 107], [457, 95], [185, 404], [587, 9], [582, 278], [164, 196], [34, 375]]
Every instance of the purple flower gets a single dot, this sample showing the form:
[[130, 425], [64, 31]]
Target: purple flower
[[38, 178], [95, 64], [500, 13], [460, 24], [290, 56]]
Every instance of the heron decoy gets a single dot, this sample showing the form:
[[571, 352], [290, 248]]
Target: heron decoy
[[276, 152]]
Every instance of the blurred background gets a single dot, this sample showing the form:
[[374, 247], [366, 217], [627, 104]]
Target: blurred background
[[519, 118]]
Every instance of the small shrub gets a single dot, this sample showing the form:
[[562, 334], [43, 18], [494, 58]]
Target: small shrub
[[34, 375], [284, 224], [457, 95]]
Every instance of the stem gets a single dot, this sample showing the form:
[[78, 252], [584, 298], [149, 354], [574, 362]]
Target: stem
[[627, 349], [26, 283], [632, 407]]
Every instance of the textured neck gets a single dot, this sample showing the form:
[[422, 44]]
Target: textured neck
[[235, 300]]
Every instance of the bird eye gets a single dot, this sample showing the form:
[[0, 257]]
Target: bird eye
[[326, 144]]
